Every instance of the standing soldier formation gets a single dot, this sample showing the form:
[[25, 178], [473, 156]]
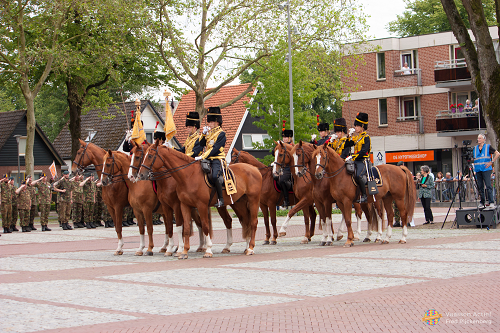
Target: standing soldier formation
[[44, 196], [6, 205]]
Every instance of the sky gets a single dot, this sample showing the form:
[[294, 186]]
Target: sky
[[381, 12]]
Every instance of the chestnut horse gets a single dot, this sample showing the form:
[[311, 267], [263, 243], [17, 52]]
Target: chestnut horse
[[269, 197], [397, 185], [304, 167], [193, 192], [302, 189], [167, 195]]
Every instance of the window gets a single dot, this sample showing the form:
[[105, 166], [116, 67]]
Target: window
[[409, 108], [380, 66], [90, 136], [382, 112], [457, 57], [410, 58], [249, 140], [149, 137]]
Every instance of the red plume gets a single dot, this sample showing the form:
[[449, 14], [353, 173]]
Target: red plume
[[157, 124]]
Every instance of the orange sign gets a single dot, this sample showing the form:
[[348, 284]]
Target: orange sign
[[410, 156]]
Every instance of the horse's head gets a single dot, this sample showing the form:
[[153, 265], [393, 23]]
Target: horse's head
[[282, 157], [321, 156], [138, 152], [82, 158], [108, 168], [235, 156], [150, 162], [301, 157]]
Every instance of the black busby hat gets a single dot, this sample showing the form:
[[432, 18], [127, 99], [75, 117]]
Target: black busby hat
[[361, 120], [214, 114], [159, 133], [323, 127], [41, 175], [193, 119], [340, 125], [5, 176], [287, 133]]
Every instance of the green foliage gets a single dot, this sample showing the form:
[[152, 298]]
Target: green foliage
[[427, 16], [11, 99], [51, 110]]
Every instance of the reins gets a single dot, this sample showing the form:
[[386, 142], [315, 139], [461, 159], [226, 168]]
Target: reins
[[119, 177], [81, 167], [163, 174], [330, 174]]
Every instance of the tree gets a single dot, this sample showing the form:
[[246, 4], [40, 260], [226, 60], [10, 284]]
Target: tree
[[427, 16], [225, 38], [481, 60], [30, 33]]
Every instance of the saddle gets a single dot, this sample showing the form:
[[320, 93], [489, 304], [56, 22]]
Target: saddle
[[230, 176], [377, 177]]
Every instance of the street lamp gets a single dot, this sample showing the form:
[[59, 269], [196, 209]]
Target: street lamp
[[18, 136], [289, 58]]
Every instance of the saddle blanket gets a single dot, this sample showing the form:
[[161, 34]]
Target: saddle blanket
[[377, 177], [229, 174]]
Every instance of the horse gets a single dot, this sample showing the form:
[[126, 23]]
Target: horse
[[167, 195], [397, 185], [304, 167], [194, 192], [301, 188], [269, 196]]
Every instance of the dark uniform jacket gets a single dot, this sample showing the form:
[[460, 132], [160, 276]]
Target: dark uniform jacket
[[192, 145], [214, 141]]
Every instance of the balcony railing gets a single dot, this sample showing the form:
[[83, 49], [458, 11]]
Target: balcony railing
[[410, 72], [465, 120], [451, 70]]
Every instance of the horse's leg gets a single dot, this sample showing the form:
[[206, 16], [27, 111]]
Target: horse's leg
[[175, 229], [340, 233], [358, 213], [272, 211], [228, 222], [148, 216], [367, 209], [380, 220], [168, 218], [299, 206], [186, 231], [346, 208], [322, 222], [329, 225], [404, 219], [205, 224], [390, 219], [117, 216], [312, 219], [196, 217], [265, 213], [140, 224], [253, 219]]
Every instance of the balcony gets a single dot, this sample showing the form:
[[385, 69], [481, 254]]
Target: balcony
[[451, 73], [408, 77], [448, 123]]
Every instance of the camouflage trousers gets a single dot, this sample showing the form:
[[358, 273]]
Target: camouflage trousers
[[128, 213], [6, 215], [24, 217], [106, 216], [98, 211], [156, 217], [33, 213], [397, 214], [44, 213], [88, 212], [77, 211], [64, 211], [14, 215]]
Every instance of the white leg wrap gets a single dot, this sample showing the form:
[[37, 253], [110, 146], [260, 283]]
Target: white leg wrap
[[285, 224], [229, 238], [178, 230], [388, 234], [342, 226], [142, 244], [209, 245], [120, 245], [379, 225], [165, 242], [325, 232], [358, 229], [171, 245], [329, 228], [405, 233]]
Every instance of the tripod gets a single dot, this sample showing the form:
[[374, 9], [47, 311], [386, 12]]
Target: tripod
[[469, 171]]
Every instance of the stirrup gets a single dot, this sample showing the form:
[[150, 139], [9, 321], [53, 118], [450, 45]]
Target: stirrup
[[219, 203]]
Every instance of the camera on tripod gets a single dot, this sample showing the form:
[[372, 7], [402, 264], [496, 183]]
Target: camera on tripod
[[467, 151]]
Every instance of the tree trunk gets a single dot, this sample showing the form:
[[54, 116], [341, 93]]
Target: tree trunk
[[29, 160], [76, 95]]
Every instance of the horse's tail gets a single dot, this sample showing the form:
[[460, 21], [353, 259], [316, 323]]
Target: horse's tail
[[411, 194], [191, 232], [374, 217]]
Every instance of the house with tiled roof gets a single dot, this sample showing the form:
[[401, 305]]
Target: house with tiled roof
[[106, 128], [12, 124], [237, 121]]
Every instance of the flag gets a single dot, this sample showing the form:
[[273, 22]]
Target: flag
[[53, 170], [169, 128], [138, 134]]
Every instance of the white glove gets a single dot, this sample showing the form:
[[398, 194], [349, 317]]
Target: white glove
[[167, 144], [351, 130], [197, 158], [333, 137], [129, 134], [206, 129], [313, 137]]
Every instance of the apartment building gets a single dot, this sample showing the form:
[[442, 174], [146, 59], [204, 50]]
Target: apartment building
[[414, 110]]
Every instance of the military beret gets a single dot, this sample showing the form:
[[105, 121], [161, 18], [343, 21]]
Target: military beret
[[66, 172]]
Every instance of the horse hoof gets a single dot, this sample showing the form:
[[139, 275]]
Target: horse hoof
[[378, 240], [355, 239], [118, 253], [182, 256], [208, 255], [340, 237], [168, 254], [226, 251], [329, 244], [272, 243], [138, 253], [366, 240], [304, 241], [402, 242], [385, 242], [149, 253], [282, 234], [249, 252], [200, 249], [177, 254], [348, 245], [163, 251], [266, 242], [322, 243]]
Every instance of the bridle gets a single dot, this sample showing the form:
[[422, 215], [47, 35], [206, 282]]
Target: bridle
[[305, 170], [162, 174], [111, 175], [81, 167], [283, 160], [330, 174], [141, 158]]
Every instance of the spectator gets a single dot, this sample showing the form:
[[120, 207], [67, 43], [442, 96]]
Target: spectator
[[476, 106], [406, 70], [468, 106], [484, 157], [438, 185], [449, 188], [424, 193]]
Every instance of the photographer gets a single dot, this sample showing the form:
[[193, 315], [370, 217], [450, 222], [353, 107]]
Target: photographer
[[484, 157]]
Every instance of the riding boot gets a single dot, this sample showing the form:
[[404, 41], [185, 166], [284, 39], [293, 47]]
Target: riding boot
[[218, 187], [362, 187], [6, 231], [32, 226], [13, 228]]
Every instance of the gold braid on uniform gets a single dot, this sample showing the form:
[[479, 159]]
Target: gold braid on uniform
[[338, 145], [211, 138], [190, 141], [359, 140]]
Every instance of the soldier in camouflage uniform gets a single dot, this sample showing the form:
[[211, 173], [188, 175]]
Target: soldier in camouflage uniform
[[44, 197], [5, 187], [106, 216], [34, 202], [128, 216], [14, 207], [89, 189], [64, 188], [77, 207], [98, 206], [24, 206]]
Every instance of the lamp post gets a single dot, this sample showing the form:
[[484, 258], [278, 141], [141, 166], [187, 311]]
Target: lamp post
[[18, 136], [290, 83]]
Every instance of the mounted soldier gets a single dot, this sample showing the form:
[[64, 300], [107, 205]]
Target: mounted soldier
[[192, 146], [285, 180], [339, 141], [214, 139], [323, 129], [362, 148]]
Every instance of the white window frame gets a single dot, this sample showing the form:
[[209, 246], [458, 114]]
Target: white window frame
[[413, 64], [386, 113], [255, 137], [416, 107], [385, 70]]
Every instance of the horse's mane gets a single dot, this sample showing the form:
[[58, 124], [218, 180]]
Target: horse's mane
[[93, 144], [308, 148], [118, 156], [251, 160]]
